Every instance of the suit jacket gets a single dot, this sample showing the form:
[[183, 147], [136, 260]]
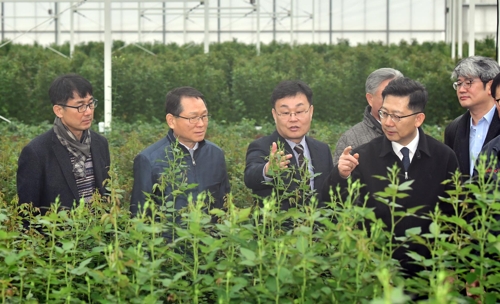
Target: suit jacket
[[258, 151], [456, 136], [45, 171], [432, 164]]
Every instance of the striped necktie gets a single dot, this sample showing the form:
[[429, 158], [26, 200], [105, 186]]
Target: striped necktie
[[300, 151]]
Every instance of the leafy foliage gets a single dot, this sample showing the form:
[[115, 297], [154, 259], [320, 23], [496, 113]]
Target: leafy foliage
[[236, 82], [99, 253]]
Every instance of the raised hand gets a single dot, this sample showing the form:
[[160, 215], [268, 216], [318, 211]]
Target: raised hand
[[347, 162], [277, 159]]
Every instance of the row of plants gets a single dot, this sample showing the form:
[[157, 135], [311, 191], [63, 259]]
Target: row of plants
[[126, 140], [99, 253], [236, 82]]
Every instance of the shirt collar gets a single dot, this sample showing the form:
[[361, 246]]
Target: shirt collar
[[302, 142], [412, 146], [190, 149], [488, 117]]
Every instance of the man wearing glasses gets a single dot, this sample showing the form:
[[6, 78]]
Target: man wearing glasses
[[370, 126], [419, 157], [203, 162], [308, 159], [468, 133], [69, 161]]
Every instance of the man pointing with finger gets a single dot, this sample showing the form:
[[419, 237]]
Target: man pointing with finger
[[420, 158], [288, 154]]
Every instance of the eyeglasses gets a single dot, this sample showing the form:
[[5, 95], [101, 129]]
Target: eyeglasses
[[464, 84], [298, 114], [83, 107], [394, 117], [194, 120]]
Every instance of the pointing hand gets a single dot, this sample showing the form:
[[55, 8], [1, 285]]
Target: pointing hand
[[347, 162]]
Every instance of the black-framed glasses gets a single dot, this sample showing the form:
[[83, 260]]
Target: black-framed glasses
[[464, 84], [288, 115], [194, 120], [394, 117], [83, 107]]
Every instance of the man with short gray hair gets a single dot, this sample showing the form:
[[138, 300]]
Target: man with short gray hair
[[469, 132], [370, 127]]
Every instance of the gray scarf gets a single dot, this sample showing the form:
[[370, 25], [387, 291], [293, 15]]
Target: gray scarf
[[79, 149]]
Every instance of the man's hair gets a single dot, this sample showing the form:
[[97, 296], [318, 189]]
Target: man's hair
[[63, 88], [290, 88], [173, 100], [494, 85], [405, 86], [480, 67], [378, 76]]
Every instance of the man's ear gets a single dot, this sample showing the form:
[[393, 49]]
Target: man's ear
[[273, 111], [419, 119], [58, 110], [369, 98], [488, 87], [170, 120]]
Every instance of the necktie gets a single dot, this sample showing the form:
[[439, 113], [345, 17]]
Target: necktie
[[406, 158], [300, 151]]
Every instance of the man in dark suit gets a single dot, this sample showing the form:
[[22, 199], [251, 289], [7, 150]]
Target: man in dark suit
[[468, 133], [302, 163], [69, 161], [420, 158]]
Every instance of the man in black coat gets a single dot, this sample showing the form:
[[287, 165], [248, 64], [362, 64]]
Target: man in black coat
[[420, 158], [69, 161], [302, 159], [469, 132]]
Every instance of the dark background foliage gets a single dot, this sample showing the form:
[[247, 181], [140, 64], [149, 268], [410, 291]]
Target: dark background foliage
[[236, 82]]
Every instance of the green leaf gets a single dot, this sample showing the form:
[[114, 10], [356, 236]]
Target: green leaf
[[434, 228], [179, 275], [244, 214], [11, 259], [301, 244], [405, 186], [284, 275], [247, 253], [417, 257], [412, 231], [68, 245]]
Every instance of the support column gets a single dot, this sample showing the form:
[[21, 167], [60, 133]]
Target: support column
[[207, 24], [313, 20], [107, 66], [218, 21], [1, 17], [274, 20], [330, 31], [459, 28], [472, 27], [139, 22], [258, 26], [164, 24], [453, 29], [56, 23], [387, 22], [498, 32], [291, 23], [184, 27], [72, 30]]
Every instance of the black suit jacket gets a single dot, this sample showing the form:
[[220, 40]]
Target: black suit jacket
[[45, 171], [258, 151], [456, 136]]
